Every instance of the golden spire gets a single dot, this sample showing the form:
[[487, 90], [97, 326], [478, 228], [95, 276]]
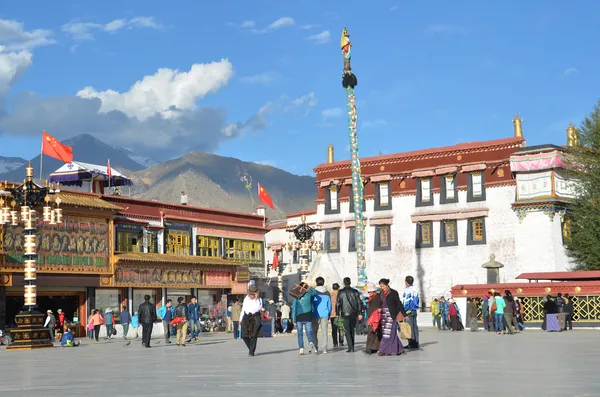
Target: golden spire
[[29, 171], [572, 135], [518, 128], [344, 40], [330, 158]]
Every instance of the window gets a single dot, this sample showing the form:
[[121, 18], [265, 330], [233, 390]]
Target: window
[[295, 257], [424, 197], [448, 189], [208, 246], [109, 299], [476, 190], [476, 231], [242, 250], [129, 241], [424, 235], [448, 235], [151, 241], [332, 205], [382, 238], [383, 200], [178, 242], [351, 239], [566, 231], [332, 240]]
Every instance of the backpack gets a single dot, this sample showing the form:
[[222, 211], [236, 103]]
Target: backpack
[[494, 306]]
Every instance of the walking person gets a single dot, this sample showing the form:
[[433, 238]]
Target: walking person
[[109, 323], [50, 323], [250, 319], [135, 323], [302, 316], [392, 312], [181, 321], [125, 320], [90, 326], [410, 300], [568, 310], [436, 315], [147, 317], [472, 315], [194, 318], [444, 311], [236, 312], [166, 314], [373, 320], [509, 312], [97, 320], [485, 312], [336, 332], [349, 307], [321, 314], [286, 310]]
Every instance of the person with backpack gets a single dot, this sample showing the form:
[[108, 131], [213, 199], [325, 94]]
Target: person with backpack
[[497, 308], [321, 314]]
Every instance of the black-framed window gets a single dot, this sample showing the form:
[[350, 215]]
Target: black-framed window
[[351, 209], [351, 239], [476, 231], [448, 193], [383, 196], [424, 235], [424, 192], [383, 238], [476, 186], [448, 233], [295, 257], [332, 240], [332, 200]]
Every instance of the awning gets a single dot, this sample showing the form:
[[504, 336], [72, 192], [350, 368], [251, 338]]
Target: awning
[[141, 257], [77, 172]]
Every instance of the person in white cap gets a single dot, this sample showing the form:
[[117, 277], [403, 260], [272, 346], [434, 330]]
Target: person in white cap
[[50, 323]]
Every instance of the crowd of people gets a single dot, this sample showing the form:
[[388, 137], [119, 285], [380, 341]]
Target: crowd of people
[[315, 309]]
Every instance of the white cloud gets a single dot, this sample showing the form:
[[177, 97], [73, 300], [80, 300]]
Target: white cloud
[[248, 25], [308, 27], [281, 23], [305, 103], [85, 30], [167, 92], [332, 113], [394, 8], [570, 71], [13, 37], [321, 38], [261, 78], [12, 65], [444, 30]]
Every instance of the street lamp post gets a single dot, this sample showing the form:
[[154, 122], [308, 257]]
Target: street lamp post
[[303, 233], [30, 332]]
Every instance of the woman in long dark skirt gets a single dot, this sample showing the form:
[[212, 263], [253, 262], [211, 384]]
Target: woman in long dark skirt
[[250, 319], [374, 330], [392, 311]]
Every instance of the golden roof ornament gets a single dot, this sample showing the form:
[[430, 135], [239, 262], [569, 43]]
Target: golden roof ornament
[[330, 158], [517, 121], [572, 135]]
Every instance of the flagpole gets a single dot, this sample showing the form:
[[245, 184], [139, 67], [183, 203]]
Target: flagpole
[[109, 175]]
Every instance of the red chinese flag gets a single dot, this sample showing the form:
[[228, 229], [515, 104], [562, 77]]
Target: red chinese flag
[[53, 148], [275, 261], [264, 197], [108, 169]]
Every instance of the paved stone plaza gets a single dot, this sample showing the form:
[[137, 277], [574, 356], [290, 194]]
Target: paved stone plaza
[[533, 363]]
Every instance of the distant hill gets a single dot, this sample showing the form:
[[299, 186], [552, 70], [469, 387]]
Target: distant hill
[[88, 149], [213, 181], [8, 164]]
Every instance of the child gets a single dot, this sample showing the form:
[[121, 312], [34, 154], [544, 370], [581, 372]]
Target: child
[[67, 339], [135, 323]]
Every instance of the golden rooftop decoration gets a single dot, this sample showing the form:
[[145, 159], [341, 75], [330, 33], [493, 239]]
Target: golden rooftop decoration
[[517, 121]]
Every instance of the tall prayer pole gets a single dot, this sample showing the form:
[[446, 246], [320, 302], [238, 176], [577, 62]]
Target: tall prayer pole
[[349, 81]]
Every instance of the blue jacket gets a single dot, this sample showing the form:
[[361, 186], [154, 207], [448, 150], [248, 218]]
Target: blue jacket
[[108, 319], [125, 317], [321, 304], [66, 336], [194, 311], [444, 307], [135, 322], [304, 304]]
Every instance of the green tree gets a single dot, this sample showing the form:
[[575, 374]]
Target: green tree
[[583, 245]]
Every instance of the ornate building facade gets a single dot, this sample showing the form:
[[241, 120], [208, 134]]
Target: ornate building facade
[[111, 251], [440, 214]]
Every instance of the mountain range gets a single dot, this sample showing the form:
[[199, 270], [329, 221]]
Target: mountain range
[[209, 180]]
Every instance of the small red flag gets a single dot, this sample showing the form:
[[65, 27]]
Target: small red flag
[[108, 169], [275, 261], [264, 197], [53, 148]]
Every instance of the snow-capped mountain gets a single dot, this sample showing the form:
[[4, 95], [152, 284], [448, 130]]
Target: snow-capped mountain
[[8, 164]]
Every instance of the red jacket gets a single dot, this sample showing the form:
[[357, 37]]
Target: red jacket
[[452, 310]]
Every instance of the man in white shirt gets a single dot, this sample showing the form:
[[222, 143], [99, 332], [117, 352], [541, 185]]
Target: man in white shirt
[[285, 316], [184, 200]]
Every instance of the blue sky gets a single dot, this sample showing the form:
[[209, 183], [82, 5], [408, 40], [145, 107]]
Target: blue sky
[[430, 74]]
